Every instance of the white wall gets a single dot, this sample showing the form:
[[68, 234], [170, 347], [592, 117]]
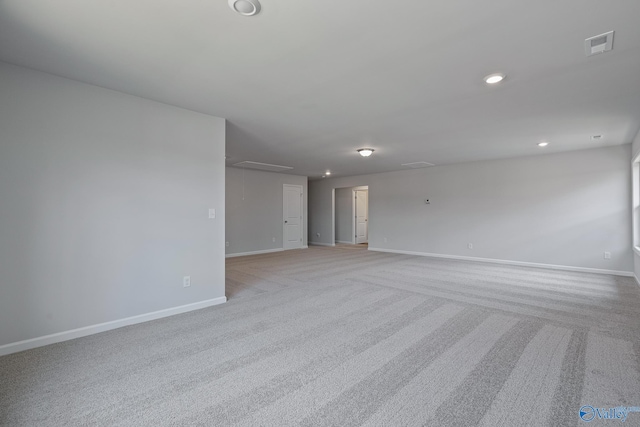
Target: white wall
[[558, 209], [254, 210], [103, 206]]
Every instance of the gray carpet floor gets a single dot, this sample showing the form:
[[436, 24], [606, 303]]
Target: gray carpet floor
[[344, 336]]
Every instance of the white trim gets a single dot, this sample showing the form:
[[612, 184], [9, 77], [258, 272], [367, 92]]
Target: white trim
[[636, 277], [509, 262], [107, 326], [635, 203], [636, 249], [345, 242], [321, 244], [264, 251], [354, 217]]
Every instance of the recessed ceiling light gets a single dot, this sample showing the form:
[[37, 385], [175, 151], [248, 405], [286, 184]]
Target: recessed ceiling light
[[245, 7], [542, 144], [327, 173], [365, 152], [494, 78]]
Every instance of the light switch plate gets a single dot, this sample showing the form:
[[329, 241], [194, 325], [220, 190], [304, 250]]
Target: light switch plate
[[212, 213]]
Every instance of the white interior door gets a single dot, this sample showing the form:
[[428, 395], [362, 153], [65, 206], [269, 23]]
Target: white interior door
[[362, 216], [292, 216]]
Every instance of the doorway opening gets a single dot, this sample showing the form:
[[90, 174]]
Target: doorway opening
[[351, 216]]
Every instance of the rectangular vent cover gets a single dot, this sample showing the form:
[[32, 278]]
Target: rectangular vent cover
[[598, 44], [262, 166], [416, 165]]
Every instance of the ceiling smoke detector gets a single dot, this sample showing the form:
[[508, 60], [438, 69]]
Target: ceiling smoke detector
[[598, 44], [245, 7]]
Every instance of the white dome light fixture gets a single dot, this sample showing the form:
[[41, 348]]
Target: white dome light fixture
[[543, 144], [365, 152], [245, 7], [494, 78]]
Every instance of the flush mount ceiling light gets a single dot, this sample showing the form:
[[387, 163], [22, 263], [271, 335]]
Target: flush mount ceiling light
[[327, 173], [543, 144], [245, 7], [365, 152], [494, 78]]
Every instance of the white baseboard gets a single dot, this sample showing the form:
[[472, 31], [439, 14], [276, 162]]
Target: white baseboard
[[265, 251], [321, 244], [508, 262], [345, 242], [107, 326], [636, 277]]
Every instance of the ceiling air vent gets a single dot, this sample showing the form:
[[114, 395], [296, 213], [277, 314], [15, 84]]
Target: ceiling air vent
[[262, 166], [598, 44], [417, 165]]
